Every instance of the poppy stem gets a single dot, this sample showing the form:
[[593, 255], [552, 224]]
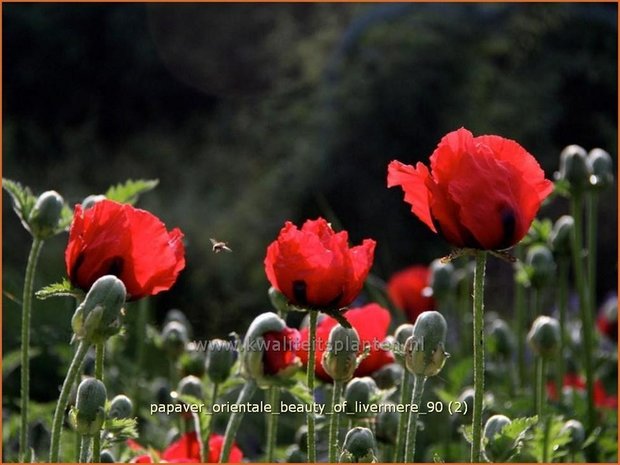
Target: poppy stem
[[478, 339], [334, 422], [592, 214], [63, 400], [310, 383], [31, 266], [584, 307], [235, 420], [99, 357], [519, 305], [406, 387], [272, 421], [562, 306], [84, 449], [412, 427], [540, 387]]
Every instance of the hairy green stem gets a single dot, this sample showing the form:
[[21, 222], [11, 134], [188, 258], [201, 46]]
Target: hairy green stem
[[519, 305], [99, 357], [310, 382], [592, 214], [584, 306], [406, 387], [562, 296], [478, 340], [31, 266], [59, 413], [235, 420], [334, 422], [540, 387], [412, 427], [143, 316], [273, 395], [84, 449]]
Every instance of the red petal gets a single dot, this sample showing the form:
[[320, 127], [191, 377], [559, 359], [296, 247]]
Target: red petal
[[184, 448], [413, 181], [280, 350], [216, 442], [406, 287]]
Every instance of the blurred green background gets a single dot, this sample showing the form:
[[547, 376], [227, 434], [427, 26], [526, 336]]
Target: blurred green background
[[250, 115]]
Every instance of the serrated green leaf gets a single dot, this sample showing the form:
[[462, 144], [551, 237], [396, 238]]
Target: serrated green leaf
[[130, 190], [548, 441], [119, 430], [301, 393], [467, 432], [508, 441], [66, 217], [23, 200], [62, 289]]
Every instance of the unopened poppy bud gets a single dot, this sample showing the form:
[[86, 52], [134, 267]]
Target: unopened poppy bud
[[574, 167], [387, 426], [177, 315], [220, 359], [577, 434], [424, 350], [45, 215], [99, 316], [191, 386], [360, 391], [601, 169], [175, 339], [295, 455], [193, 363], [541, 265], [403, 332], [388, 376], [492, 427], [467, 401], [561, 235], [90, 404], [544, 337], [441, 279], [107, 457], [301, 438], [501, 338], [91, 200], [278, 300], [121, 407], [340, 358], [359, 446], [269, 350]]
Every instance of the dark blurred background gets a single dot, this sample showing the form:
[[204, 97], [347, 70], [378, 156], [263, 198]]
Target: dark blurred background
[[250, 115]]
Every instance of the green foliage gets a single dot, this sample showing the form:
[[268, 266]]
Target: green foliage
[[509, 441], [61, 289], [548, 441], [23, 200], [131, 190], [118, 430]]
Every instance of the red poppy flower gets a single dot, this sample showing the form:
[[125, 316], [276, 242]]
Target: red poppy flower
[[280, 350], [481, 192], [132, 244], [314, 266], [187, 450], [607, 320], [576, 382], [406, 289], [371, 322]]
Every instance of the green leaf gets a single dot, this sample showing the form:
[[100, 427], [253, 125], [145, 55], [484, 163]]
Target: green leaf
[[549, 440], [301, 393], [119, 430], [66, 217], [509, 440], [23, 200], [467, 432], [130, 191], [62, 289]]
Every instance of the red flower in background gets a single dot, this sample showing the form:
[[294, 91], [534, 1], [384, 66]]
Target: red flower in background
[[314, 266], [481, 192], [280, 350], [406, 290], [371, 322], [129, 243], [576, 382], [607, 319], [187, 450]]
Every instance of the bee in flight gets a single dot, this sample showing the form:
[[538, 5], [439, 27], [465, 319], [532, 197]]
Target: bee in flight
[[218, 246]]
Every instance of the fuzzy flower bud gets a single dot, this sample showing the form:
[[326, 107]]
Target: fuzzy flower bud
[[403, 332], [107, 457], [424, 350], [278, 300], [561, 234], [174, 314], [360, 391], [601, 169], [175, 339], [577, 434], [45, 215], [191, 386], [541, 265], [295, 455], [269, 351], [340, 358], [441, 279], [193, 363], [99, 316], [90, 405], [220, 359], [501, 338], [493, 427], [121, 407], [544, 337], [388, 376], [359, 446], [574, 168]]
